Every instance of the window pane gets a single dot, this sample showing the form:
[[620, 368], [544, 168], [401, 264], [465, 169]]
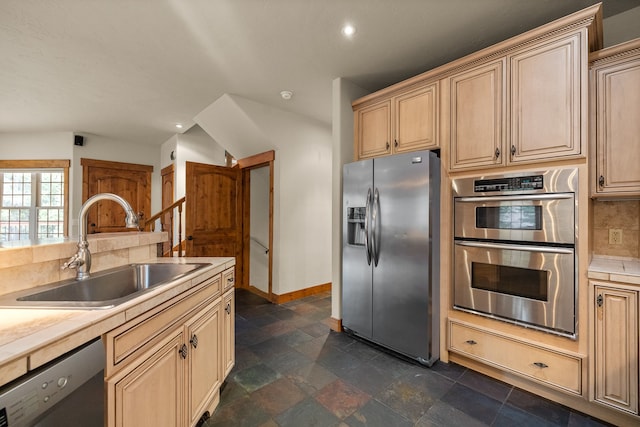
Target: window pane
[[17, 220]]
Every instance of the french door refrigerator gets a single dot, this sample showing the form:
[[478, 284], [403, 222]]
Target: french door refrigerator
[[390, 253]]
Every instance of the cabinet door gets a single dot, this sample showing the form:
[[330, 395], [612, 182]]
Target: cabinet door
[[618, 128], [373, 130], [228, 333], [150, 393], [477, 116], [616, 348], [548, 84], [416, 119], [203, 379]]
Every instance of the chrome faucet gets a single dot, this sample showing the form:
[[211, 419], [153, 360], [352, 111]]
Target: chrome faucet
[[81, 261]]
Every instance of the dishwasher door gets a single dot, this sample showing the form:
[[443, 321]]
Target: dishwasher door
[[66, 392]]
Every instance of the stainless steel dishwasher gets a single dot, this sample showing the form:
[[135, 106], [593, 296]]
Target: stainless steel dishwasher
[[68, 391]]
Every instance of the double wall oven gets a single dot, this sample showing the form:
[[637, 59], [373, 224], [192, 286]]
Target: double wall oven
[[514, 248]]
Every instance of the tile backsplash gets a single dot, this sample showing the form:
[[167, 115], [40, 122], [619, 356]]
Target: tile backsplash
[[620, 214], [23, 267]]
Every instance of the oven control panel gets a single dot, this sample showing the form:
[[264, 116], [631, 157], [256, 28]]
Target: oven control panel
[[518, 183]]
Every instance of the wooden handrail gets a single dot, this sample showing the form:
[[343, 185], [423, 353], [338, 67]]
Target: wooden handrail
[[150, 224]]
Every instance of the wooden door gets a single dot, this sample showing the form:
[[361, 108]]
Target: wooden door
[[548, 88], [416, 119], [203, 333], [128, 180], [477, 117], [213, 211], [618, 128], [373, 130], [168, 179], [150, 394], [616, 347]]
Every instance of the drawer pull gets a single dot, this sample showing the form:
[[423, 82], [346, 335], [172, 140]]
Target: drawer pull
[[471, 342], [541, 365], [194, 341], [230, 280], [228, 308], [183, 351]]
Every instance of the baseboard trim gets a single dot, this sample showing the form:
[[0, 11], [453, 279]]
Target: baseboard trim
[[335, 324], [302, 293]]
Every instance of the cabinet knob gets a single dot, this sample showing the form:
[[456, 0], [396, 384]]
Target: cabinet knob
[[541, 365], [388, 146], [230, 280], [395, 143], [471, 342], [194, 341], [601, 181], [189, 237], [228, 308], [183, 351], [497, 153], [513, 150]]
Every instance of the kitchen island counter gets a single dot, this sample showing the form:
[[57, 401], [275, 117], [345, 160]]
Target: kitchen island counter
[[30, 338]]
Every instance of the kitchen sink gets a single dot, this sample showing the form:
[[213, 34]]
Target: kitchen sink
[[101, 290]]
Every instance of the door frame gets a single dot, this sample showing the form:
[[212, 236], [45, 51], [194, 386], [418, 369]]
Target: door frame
[[246, 165]]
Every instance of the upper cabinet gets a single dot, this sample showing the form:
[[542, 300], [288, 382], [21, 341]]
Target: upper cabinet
[[548, 88], [477, 116], [536, 92], [615, 103], [396, 124], [520, 101]]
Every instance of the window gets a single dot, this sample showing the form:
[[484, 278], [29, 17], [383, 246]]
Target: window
[[33, 199]]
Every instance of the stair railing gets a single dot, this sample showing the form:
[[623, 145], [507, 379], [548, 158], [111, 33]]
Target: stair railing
[[168, 226]]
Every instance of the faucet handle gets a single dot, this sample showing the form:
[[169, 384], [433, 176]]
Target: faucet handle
[[73, 262]]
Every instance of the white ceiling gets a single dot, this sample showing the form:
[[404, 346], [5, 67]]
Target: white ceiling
[[131, 69]]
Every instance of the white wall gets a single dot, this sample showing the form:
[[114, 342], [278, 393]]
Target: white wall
[[344, 92], [259, 229], [302, 182], [102, 148], [622, 27]]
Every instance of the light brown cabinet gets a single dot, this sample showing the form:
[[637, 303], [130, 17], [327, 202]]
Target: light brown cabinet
[[548, 83], [477, 116], [615, 348], [615, 103], [373, 130], [545, 365], [166, 366], [405, 122], [524, 107]]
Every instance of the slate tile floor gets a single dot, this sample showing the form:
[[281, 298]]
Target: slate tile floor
[[292, 370]]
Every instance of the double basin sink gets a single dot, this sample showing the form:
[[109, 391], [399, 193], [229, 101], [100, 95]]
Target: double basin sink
[[101, 290]]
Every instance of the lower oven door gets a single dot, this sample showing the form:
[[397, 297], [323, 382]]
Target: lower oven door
[[533, 285]]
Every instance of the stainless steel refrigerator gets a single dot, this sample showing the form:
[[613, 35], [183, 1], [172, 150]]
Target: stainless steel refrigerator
[[390, 253]]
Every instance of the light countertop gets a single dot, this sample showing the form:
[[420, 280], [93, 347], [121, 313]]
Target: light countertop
[[31, 337], [624, 270]]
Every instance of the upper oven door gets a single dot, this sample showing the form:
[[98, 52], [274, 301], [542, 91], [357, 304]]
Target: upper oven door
[[548, 218]]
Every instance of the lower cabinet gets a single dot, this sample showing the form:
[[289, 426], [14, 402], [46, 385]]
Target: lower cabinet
[[165, 367], [615, 348], [551, 367]]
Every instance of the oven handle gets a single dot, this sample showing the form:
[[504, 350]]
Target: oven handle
[[551, 196], [527, 248]]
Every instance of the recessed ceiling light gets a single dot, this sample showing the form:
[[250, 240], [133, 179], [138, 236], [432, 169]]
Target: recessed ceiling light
[[286, 94], [179, 126], [348, 30]]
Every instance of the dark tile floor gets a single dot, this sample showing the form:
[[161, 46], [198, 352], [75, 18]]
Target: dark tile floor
[[292, 370]]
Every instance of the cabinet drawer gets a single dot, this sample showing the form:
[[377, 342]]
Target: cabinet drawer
[[538, 363], [122, 342], [228, 278]]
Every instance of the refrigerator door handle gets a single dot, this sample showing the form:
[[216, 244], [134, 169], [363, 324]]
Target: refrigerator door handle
[[375, 220], [367, 217]]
